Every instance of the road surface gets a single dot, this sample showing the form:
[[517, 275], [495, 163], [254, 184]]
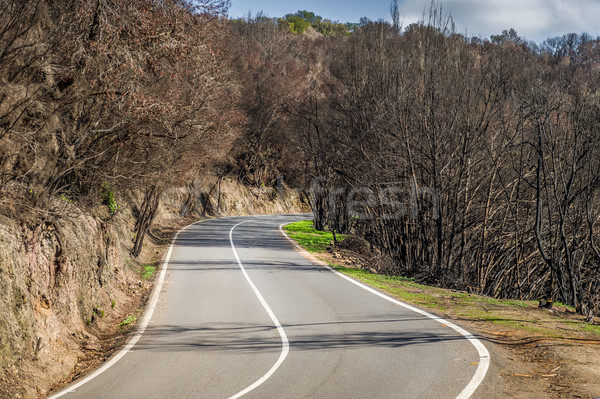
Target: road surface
[[214, 332]]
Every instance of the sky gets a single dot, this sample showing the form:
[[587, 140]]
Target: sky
[[533, 19]]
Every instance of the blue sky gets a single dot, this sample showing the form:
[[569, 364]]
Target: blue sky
[[533, 19], [340, 10]]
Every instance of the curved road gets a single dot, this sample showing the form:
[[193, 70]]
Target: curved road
[[211, 337]]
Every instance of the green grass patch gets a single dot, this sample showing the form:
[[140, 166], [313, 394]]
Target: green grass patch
[[507, 313], [128, 320], [148, 272], [592, 328], [310, 239], [520, 304], [395, 285], [108, 198]]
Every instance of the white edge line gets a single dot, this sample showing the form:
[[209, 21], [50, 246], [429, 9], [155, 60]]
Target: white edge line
[[142, 326], [484, 355], [285, 346]]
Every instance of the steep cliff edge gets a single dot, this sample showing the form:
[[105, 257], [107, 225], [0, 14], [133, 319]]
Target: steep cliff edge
[[70, 290]]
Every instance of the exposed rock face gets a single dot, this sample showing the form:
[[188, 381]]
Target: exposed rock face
[[57, 279]]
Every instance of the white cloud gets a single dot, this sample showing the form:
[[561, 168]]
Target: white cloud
[[533, 19]]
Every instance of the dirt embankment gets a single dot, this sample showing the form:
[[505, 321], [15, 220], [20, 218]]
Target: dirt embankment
[[68, 283]]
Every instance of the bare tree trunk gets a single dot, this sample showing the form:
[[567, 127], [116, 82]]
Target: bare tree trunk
[[147, 213]]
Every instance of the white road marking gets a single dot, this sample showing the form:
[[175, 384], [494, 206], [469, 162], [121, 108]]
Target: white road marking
[[141, 329], [484, 355], [465, 394], [285, 345]]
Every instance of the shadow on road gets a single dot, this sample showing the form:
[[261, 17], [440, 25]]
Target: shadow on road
[[248, 338]]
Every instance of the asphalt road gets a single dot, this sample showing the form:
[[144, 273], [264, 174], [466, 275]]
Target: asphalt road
[[211, 337]]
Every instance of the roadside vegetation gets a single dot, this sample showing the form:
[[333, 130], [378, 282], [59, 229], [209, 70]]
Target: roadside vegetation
[[562, 322], [128, 320], [148, 272], [314, 241]]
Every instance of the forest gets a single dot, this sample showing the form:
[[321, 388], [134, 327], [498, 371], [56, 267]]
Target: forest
[[464, 162]]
